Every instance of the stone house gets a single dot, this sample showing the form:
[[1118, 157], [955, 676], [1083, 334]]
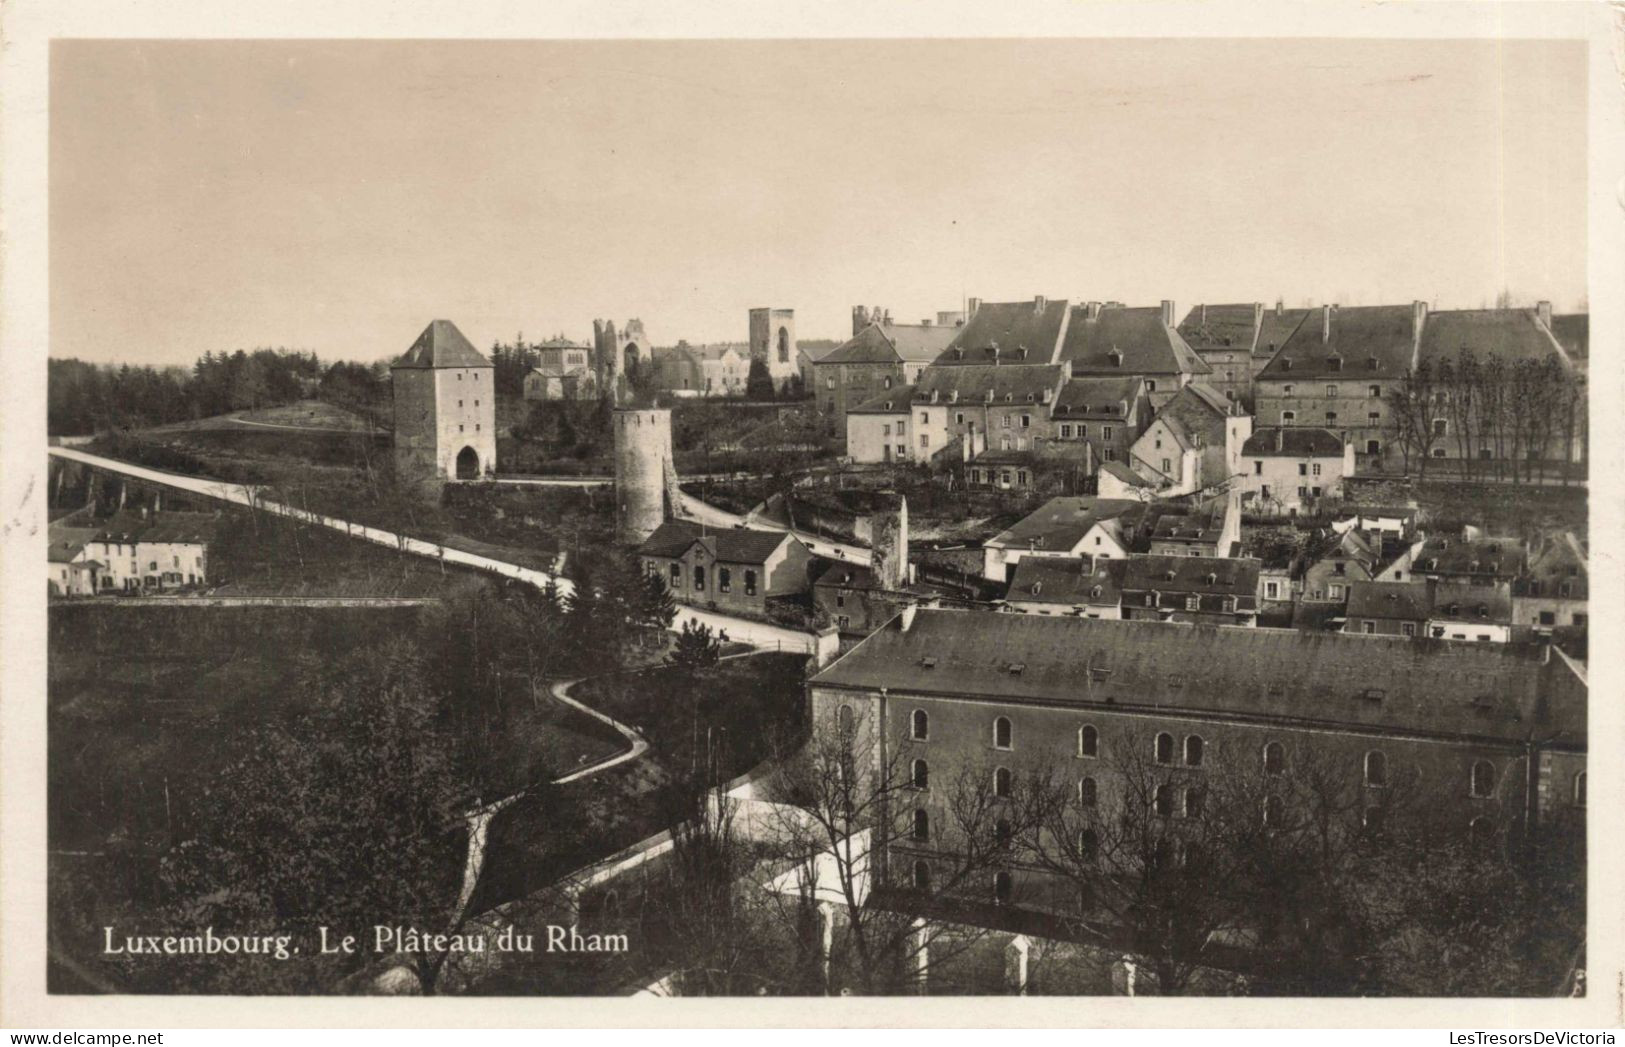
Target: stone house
[[880, 357], [1099, 528], [1080, 586], [1286, 471], [1552, 592], [734, 569], [1205, 591]]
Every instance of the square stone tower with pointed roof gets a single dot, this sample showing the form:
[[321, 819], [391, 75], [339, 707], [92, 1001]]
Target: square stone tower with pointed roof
[[445, 407]]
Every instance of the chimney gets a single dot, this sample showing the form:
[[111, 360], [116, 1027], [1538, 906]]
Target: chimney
[[1038, 304], [887, 320], [1280, 304], [1258, 315], [1326, 322], [1168, 311], [1203, 309], [1419, 315], [1543, 310], [1094, 311], [971, 307], [905, 618], [860, 319]]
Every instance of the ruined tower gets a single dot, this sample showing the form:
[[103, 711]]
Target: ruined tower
[[645, 478], [773, 341], [888, 540], [444, 394], [618, 355]]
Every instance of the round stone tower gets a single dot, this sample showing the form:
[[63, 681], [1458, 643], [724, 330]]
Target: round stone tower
[[643, 471]]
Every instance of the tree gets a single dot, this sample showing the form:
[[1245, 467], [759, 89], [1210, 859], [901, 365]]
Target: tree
[[696, 648], [1413, 407], [759, 382]]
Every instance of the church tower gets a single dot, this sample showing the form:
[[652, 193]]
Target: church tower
[[444, 394]]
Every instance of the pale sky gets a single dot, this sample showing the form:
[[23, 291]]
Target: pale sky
[[337, 196]]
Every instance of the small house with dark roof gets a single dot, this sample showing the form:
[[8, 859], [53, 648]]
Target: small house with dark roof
[[1469, 612], [1388, 608], [1103, 528], [444, 396], [882, 429], [879, 357], [1489, 561], [142, 550], [1553, 590], [1285, 471], [1202, 527], [70, 568], [734, 569], [1194, 442], [1081, 586], [1207, 591], [1104, 339]]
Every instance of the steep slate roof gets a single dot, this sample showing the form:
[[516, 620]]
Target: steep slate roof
[[1147, 345], [1197, 415], [1359, 334], [1511, 334], [192, 528], [1068, 580], [1445, 555], [1276, 329], [1184, 574], [730, 545], [1573, 332], [66, 543], [442, 345], [1457, 602], [1369, 683], [1404, 600], [1227, 327], [1292, 442], [1201, 522], [892, 343], [1061, 523], [1009, 383], [1100, 398], [892, 401], [1125, 474], [1009, 325]]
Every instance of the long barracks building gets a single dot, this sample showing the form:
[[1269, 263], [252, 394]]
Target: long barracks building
[[1490, 739]]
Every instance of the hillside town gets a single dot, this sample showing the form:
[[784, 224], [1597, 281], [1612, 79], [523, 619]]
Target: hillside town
[[1038, 646]]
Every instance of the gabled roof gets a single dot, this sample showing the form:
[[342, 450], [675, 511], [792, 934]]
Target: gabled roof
[[1510, 334], [1125, 474], [1068, 580], [1403, 600], [190, 528], [1227, 327], [1102, 398], [1197, 414], [66, 543], [1009, 326], [1201, 521], [1006, 383], [442, 345], [1368, 683], [1293, 442], [1206, 574], [892, 401], [1573, 332], [1061, 523], [1500, 557], [893, 343], [1470, 603], [730, 545], [559, 341], [1276, 329], [1142, 342], [1359, 335]]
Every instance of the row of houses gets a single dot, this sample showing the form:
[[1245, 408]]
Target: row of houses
[[130, 552]]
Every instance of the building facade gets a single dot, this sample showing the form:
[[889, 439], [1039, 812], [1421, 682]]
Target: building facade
[[444, 397]]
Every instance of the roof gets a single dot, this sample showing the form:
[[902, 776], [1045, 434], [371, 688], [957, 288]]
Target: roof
[[1359, 335], [1006, 383], [1036, 324], [1061, 523], [1405, 600], [1373, 683], [66, 543], [1104, 397], [558, 341], [1068, 580], [1229, 327], [442, 345], [1277, 328], [1502, 557], [1509, 334], [1207, 574], [1293, 442], [1470, 603], [1125, 474], [190, 528], [731, 545], [1142, 342], [1201, 522], [892, 401], [892, 343], [1573, 332], [1197, 414]]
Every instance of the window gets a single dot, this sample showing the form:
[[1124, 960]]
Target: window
[[845, 725], [829, 383], [1066, 432], [1088, 792], [922, 876], [1369, 628], [1088, 845], [1026, 421], [1371, 820], [1336, 591], [1005, 424], [750, 582], [1001, 733], [1165, 748], [1374, 391], [1271, 590], [1376, 769], [920, 775], [1303, 469], [1331, 392], [1274, 759], [1483, 780], [1108, 454], [922, 824], [1088, 742], [724, 580], [699, 577], [1193, 750], [1164, 800], [1288, 416], [1167, 466], [1274, 810], [676, 575], [1150, 385], [885, 429], [1002, 888], [1315, 469], [959, 418], [1331, 417], [1195, 797], [459, 403], [1193, 603], [1407, 629], [1106, 434], [1580, 789], [1441, 427], [920, 726], [1002, 782]]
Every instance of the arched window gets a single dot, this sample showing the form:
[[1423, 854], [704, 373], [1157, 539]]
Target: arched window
[[921, 725], [1580, 789], [921, 776], [1273, 810], [1003, 887], [844, 724], [1001, 782], [1001, 733], [1087, 793], [1165, 800], [922, 875], [1194, 799], [1165, 748], [922, 824], [1193, 750], [1376, 769], [1274, 759], [724, 580], [1088, 845], [1483, 779], [699, 577], [1088, 741]]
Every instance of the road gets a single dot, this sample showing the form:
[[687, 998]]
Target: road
[[764, 635]]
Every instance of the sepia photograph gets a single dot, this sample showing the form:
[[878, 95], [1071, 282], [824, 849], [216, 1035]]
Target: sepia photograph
[[1001, 516]]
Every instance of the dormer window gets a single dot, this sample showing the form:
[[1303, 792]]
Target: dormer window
[[1286, 365], [1334, 363], [1114, 358], [1371, 363]]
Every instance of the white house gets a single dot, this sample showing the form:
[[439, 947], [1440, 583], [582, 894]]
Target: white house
[[1285, 470], [151, 551], [1098, 528]]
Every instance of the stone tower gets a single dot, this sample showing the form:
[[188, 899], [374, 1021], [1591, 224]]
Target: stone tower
[[617, 354], [645, 478], [773, 341], [888, 540], [444, 394]]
